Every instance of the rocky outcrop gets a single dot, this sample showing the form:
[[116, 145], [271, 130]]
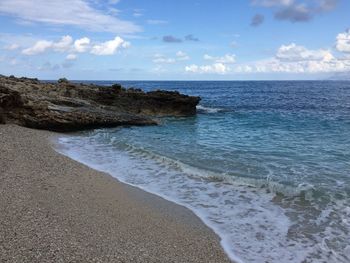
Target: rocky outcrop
[[2, 117], [67, 106]]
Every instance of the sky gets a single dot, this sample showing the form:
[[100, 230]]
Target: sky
[[175, 39]]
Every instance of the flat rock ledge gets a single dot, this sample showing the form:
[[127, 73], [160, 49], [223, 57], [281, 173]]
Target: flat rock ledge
[[66, 106]]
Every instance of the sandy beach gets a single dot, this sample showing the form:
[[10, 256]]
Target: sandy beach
[[53, 209]]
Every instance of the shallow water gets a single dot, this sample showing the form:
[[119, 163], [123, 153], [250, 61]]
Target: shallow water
[[265, 164]]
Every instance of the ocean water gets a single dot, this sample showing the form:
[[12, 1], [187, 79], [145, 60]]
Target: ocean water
[[266, 165]]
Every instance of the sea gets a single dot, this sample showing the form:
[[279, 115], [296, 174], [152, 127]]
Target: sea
[[265, 164]]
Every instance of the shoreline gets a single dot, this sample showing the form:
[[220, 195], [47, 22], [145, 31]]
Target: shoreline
[[55, 209], [223, 238]]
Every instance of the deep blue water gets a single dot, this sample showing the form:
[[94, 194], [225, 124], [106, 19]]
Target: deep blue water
[[265, 164]]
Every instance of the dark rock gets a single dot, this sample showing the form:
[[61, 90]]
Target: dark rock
[[66, 106], [63, 80], [2, 117], [9, 98], [117, 87]]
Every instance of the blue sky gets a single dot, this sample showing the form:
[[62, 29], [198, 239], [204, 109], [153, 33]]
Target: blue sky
[[175, 40]]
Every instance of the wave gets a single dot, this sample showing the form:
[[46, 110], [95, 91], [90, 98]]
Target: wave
[[203, 109], [303, 189], [240, 210]]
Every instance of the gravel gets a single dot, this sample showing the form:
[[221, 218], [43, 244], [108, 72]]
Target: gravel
[[53, 209]]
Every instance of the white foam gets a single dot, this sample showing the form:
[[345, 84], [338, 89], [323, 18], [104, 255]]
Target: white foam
[[201, 108], [251, 226]]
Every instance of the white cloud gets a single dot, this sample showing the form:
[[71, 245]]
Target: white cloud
[[216, 68], [39, 47], [291, 58], [71, 57], [161, 59], [78, 13], [109, 47], [343, 41], [64, 44], [181, 56], [226, 59], [219, 65], [293, 52], [82, 45], [208, 57], [274, 65], [298, 59]]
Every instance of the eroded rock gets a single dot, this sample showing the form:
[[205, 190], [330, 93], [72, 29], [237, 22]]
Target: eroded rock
[[67, 106]]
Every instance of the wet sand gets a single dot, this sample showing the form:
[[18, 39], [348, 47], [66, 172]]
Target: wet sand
[[53, 209]]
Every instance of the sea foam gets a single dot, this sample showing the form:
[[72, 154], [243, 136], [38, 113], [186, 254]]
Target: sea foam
[[203, 109], [245, 214]]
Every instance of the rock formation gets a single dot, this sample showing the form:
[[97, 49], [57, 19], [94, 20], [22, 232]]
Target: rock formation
[[67, 106]]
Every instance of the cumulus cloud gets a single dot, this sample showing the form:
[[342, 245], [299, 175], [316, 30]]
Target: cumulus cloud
[[293, 52], [257, 20], [290, 58], [78, 13], [226, 59], [82, 45], [297, 10], [171, 39], [219, 65], [71, 57], [293, 58], [343, 41], [161, 59], [39, 47], [274, 65], [216, 68], [64, 44], [179, 56], [110, 47]]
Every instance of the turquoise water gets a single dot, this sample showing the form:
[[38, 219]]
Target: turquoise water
[[265, 164]]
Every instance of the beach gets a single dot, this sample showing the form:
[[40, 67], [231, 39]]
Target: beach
[[53, 209]]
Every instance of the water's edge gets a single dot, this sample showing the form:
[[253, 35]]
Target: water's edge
[[58, 147]]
